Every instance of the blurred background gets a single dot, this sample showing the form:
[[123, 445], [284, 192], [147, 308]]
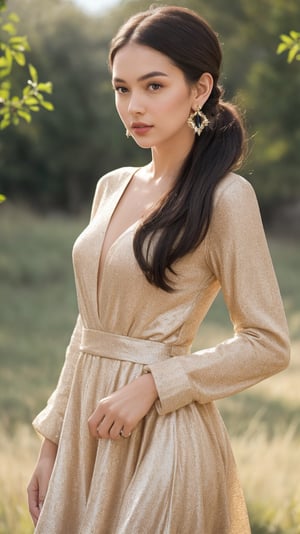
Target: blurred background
[[48, 172]]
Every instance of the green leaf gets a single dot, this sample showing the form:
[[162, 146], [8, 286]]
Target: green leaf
[[15, 120], [33, 73], [8, 56], [286, 39], [4, 124], [9, 28], [295, 35], [39, 97], [20, 58], [45, 87], [27, 90], [4, 73], [292, 53], [18, 39], [4, 93], [282, 47], [3, 62], [6, 116], [24, 115], [2, 198], [31, 101], [47, 105], [34, 108], [19, 43], [14, 17], [5, 85]]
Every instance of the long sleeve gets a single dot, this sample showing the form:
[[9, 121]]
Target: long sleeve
[[49, 421], [237, 255]]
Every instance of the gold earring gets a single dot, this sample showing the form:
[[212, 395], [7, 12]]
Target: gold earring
[[198, 121], [127, 133]]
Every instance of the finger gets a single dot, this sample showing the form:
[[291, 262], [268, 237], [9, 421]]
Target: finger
[[115, 431], [34, 518], [43, 488], [94, 423], [34, 512], [41, 501], [103, 428], [33, 504]]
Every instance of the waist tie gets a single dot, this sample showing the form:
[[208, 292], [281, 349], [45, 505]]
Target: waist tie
[[116, 347]]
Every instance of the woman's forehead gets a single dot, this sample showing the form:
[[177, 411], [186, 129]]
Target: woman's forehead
[[138, 61]]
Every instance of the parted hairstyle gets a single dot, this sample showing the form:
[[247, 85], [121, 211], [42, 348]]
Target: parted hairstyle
[[181, 221]]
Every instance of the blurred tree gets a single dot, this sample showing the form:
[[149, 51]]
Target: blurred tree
[[58, 160]]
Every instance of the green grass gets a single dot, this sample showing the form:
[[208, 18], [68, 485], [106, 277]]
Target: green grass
[[38, 308], [37, 312]]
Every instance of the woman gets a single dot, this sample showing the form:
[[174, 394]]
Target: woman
[[133, 442]]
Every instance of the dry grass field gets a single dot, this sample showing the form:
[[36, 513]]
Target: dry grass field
[[36, 315]]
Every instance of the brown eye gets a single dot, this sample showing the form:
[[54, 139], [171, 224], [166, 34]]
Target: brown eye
[[121, 90], [155, 86]]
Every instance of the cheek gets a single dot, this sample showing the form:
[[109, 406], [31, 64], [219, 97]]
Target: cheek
[[120, 107], [176, 105]]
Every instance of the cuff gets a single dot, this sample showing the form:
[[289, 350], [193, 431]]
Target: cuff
[[48, 424], [172, 384]]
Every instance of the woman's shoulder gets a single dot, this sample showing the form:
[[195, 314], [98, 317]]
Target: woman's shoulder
[[109, 183], [233, 190], [235, 207], [113, 179]]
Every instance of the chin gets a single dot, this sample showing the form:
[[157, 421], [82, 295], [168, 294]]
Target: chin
[[142, 143]]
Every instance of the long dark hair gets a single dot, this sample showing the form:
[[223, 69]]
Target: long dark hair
[[181, 222]]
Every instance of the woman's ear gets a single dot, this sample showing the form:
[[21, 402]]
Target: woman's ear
[[202, 89]]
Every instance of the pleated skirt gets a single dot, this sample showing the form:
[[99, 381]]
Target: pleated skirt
[[175, 475]]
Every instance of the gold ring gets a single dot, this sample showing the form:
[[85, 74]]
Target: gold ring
[[122, 434]]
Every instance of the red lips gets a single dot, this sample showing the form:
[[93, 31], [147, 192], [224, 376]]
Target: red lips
[[140, 128]]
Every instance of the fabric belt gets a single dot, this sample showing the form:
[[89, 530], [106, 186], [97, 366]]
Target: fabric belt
[[142, 351]]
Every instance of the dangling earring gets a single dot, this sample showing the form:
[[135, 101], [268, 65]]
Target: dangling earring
[[198, 121], [127, 133]]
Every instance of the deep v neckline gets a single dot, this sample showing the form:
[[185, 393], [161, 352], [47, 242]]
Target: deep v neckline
[[103, 260]]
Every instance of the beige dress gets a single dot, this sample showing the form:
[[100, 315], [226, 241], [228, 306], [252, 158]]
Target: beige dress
[[176, 473]]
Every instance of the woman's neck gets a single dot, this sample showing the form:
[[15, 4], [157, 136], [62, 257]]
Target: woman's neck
[[168, 159]]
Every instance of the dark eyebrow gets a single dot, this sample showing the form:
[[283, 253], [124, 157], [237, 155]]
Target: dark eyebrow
[[144, 77]]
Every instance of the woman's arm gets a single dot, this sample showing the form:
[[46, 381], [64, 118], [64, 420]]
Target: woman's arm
[[38, 485], [49, 421]]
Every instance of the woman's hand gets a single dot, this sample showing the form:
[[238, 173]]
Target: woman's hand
[[38, 485], [119, 413]]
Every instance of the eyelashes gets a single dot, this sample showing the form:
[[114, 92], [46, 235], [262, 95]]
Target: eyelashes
[[153, 87], [120, 90]]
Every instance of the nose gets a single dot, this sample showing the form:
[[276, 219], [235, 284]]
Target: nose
[[135, 104]]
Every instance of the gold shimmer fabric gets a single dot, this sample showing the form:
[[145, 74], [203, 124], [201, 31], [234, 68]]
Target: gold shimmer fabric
[[176, 473]]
